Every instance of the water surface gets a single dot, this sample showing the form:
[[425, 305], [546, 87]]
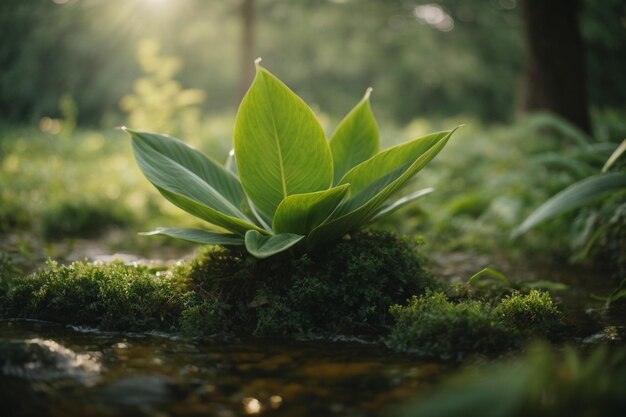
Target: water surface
[[53, 370]]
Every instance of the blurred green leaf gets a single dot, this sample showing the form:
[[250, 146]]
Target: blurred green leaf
[[576, 195], [546, 285], [614, 156], [490, 273]]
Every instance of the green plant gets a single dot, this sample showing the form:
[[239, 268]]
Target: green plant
[[289, 186], [489, 273], [434, 325], [617, 296], [578, 194], [344, 288], [602, 225], [159, 102], [534, 312], [542, 382], [110, 296]]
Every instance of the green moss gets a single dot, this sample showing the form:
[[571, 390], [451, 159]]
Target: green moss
[[110, 296], [347, 288], [200, 318], [433, 325], [534, 312]]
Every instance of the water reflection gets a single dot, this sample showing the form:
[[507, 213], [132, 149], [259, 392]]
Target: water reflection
[[107, 374], [44, 359], [251, 405]]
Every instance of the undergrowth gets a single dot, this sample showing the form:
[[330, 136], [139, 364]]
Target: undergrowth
[[346, 289], [107, 296], [84, 219], [433, 325]]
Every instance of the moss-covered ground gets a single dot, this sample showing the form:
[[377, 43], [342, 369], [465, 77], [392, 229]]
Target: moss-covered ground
[[433, 325], [359, 286]]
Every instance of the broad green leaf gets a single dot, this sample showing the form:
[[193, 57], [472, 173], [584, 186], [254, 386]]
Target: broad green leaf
[[192, 181], [356, 138], [361, 207], [197, 236], [576, 195], [398, 204], [170, 164], [389, 160], [215, 217], [261, 246], [261, 218], [280, 146], [301, 213]]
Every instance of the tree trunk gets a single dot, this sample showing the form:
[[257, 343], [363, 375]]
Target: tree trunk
[[248, 23], [555, 77]]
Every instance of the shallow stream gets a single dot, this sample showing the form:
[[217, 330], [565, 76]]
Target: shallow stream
[[53, 370], [48, 369]]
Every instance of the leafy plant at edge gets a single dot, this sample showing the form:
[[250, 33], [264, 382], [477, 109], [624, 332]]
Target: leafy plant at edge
[[578, 194], [284, 183]]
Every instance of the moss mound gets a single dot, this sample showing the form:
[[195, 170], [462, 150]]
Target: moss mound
[[433, 325], [347, 288], [108, 296]]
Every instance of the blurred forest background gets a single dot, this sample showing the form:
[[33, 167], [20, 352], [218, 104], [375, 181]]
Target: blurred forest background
[[73, 70], [424, 60]]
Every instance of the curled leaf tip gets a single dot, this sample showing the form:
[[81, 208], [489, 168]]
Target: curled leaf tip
[[122, 128], [258, 61], [368, 92]]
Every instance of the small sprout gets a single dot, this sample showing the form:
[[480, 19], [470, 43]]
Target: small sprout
[[491, 273]]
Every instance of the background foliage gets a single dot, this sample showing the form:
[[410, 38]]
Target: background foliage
[[468, 61]]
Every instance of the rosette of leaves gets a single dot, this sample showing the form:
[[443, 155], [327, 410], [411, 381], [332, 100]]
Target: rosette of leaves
[[285, 184]]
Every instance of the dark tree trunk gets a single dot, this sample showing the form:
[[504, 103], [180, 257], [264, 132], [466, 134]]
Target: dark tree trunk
[[555, 77], [248, 23]]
